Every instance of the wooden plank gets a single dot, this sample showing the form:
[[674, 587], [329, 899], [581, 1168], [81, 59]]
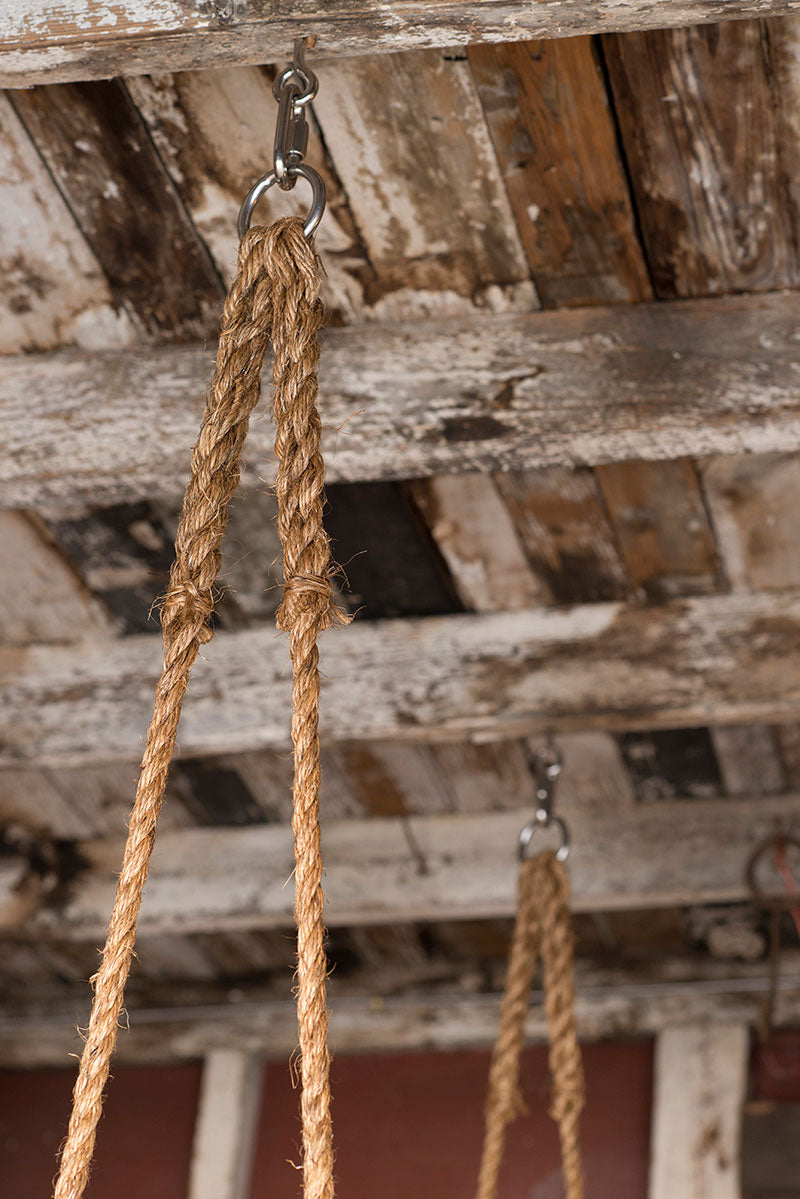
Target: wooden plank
[[753, 500], [495, 675], [554, 134], [429, 199], [700, 1086], [697, 113], [437, 867], [56, 42], [564, 527], [225, 1129], [99, 153], [479, 542], [749, 757], [662, 527], [576, 386], [54, 292], [212, 136], [609, 1003], [47, 601]]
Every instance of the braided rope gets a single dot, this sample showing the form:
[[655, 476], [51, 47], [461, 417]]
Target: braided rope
[[543, 928], [275, 296]]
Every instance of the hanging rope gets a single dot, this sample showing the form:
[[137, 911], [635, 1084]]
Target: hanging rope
[[275, 297], [543, 928]]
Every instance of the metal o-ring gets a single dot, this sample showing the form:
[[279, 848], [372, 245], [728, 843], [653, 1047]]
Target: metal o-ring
[[562, 853], [263, 185], [301, 75]]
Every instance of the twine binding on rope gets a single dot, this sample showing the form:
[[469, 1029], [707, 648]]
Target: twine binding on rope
[[542, 929], [275, 297]]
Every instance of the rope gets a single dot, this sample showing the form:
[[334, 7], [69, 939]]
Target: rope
[[275, 295], [542, 928]]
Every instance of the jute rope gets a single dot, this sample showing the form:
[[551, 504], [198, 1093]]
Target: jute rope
[[275, 297], [542, 928]]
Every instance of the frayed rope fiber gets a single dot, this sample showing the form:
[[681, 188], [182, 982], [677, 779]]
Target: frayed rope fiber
[[542, 929], [274, 298]]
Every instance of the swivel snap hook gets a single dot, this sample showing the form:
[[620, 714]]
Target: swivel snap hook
[[548, 765], [294, 88]]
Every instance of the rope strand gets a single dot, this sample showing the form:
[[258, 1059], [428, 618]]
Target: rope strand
[[277, 281], [542, 927]]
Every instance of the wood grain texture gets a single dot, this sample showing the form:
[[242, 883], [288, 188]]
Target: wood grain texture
[[700, 116], [214, 132], [547, 111], [476, 535], [754, 500], [59, 42], [662, 527], [54, 292], [610, 1003], [396, 870], [564, 528], [496, 675], [98, 151], [426, 194], [573, 387], [700, 1087]]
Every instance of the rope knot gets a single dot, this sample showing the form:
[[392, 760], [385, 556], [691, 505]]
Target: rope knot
[[186, 605], [307, 594]]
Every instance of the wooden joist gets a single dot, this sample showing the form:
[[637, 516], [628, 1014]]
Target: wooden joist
[[722, 659], [448, 867], [57, 42], [588, 386], [610, 1003]]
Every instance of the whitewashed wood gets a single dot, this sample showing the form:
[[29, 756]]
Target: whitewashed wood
[[555, 388], [225, 1129], [753, 500], [54, 292], [610, 1003], [700, 1086], [60, 40], [440, 867], [749, 759], [476, 536], [730, 658], [47, 600]]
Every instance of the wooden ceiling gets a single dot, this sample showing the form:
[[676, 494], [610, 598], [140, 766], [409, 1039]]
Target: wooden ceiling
[[559, 388]]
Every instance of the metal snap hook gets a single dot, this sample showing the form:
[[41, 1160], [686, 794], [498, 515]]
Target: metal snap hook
[[562, 853], [297, 170]]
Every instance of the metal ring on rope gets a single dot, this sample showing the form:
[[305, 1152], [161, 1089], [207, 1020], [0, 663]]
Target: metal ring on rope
[[297, 170], [562, 853]]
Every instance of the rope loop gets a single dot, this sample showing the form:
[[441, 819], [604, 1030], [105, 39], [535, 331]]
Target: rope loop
[[542, 929], [275, 297]]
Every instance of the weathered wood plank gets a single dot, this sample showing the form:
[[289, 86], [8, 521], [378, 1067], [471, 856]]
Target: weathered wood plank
[[54, 292], [730, 658], [225, 1129], [211, 134], [571, 387], [437, 867], [57, 42], [699, 114], [429, 199], [476, 536], [609, 1003], [662, 526], [564, 527], [700, 1086], [97, 148], [548, 113]]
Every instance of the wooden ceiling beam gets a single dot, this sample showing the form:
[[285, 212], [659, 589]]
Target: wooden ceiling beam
[[571, 387], [722, 659], [56, 43], [609, 1003], [400, 870]]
